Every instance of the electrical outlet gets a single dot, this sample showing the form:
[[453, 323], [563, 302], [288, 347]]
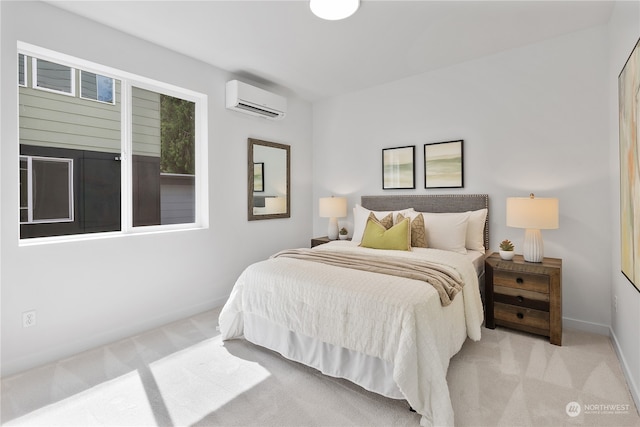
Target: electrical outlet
[[29, 318]]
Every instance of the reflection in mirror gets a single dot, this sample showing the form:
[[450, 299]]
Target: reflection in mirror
[[268, 188]]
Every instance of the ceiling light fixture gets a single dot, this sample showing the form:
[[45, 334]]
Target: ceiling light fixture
[[334, 10]]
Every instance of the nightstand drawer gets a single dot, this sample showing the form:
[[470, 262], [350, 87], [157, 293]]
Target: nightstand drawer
[[521, 297], [521, 316], [526, 281]]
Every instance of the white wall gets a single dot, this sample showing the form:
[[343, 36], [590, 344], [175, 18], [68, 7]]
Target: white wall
[[92, 292], [533, 119], [624, 30]]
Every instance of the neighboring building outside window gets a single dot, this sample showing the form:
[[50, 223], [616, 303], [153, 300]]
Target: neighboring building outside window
[[148, 177], [46, 190], [22, 70], [163, 145], [97, 87], [53, 77]]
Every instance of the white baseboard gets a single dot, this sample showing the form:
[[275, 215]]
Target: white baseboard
[[633, 386], [69, 349], [581, 325], [599, 329]]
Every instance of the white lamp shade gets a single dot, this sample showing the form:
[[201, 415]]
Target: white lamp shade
[[532, 213], [334, 10], [333, 207]]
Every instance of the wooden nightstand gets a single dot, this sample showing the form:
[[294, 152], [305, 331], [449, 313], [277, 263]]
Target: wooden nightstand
[[316, 241], [322, 240], [524, 295]]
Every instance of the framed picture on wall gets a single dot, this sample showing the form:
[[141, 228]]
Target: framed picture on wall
[[443, 167], [629, 104], [258, 177], [398, 168]]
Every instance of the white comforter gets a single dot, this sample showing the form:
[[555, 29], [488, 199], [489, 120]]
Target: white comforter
[[396, 319]]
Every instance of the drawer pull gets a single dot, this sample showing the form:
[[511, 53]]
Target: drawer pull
[[519, 298], [520, 315], [519, 281]]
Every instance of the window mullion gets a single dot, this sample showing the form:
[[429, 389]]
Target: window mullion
[[29, 190], [71, 190], [126, 193]]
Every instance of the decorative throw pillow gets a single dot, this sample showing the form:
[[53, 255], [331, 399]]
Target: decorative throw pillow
[[376, 236], [361, 215], [387, 221], [475, 230], [447, 231], [418, 232]]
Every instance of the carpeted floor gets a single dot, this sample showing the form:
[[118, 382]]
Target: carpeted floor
[[184, 375]]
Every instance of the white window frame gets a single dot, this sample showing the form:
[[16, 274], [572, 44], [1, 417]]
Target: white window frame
[[30, 159], [201, 168], [24, 67], [113, 89], [34, 76], [127, 80]]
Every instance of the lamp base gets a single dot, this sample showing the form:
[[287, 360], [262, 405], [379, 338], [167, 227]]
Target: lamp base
[[533, 249], [332, 231]]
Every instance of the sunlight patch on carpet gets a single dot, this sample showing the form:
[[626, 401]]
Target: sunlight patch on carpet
[[123, 397], [203, 378]]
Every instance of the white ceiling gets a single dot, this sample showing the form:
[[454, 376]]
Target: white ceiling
[[282, 43]]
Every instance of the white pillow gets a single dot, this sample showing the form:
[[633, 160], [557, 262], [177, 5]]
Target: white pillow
[[475, 230], [360, 216], [447, 231]]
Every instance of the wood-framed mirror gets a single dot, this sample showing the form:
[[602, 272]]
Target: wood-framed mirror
[[269, 180]]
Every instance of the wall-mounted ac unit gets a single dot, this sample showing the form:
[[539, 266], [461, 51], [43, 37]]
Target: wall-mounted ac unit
[[255, 101]]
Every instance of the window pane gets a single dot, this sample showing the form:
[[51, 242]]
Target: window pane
[[177, 161], [105, 88], [21, 70], [96, 87], [51, 190], [68, 128], [24, 190], [88, 85], [163, 159], [54, 76]]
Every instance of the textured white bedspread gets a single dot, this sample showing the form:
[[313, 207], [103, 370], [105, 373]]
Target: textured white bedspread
[[396, 319]]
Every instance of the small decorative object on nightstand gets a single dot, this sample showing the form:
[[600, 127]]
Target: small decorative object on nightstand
[[506, 250], [524, 296], [343, 233]]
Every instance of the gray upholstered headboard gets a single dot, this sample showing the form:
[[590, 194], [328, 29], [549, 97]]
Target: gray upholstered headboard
[[432, 203]]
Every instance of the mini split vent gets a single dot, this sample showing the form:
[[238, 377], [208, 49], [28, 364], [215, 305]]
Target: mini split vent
[[252, 100]]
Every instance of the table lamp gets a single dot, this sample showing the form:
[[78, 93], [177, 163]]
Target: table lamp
[[533, 214], [333, 208]]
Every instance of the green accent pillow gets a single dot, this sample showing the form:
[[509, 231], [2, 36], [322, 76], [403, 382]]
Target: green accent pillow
[[376, 236]]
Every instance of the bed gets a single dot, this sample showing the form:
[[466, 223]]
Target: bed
[[357, 313]]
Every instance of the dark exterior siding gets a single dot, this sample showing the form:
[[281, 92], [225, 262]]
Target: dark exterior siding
[[96, 193]]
